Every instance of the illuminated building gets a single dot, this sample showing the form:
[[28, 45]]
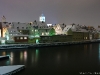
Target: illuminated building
[[42, 18], [78, 33], [59, 28]]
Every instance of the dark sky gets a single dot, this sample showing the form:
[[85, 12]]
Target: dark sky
[[84, 12]]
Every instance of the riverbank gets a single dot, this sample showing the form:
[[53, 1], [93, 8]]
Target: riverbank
[[21, 46]]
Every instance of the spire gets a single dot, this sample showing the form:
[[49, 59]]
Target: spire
[[3, 19], [42, 17]]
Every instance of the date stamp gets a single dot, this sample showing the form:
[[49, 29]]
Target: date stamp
[[93, 73]]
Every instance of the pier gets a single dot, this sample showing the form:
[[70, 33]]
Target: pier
[[9, 70], [4, 57]]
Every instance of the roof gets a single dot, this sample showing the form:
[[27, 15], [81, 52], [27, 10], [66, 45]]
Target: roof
[[67, 28]]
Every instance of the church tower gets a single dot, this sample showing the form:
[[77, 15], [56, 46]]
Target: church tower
[[3, 19], [42, 18]]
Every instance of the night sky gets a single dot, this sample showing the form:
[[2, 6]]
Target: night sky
[[84, 12]]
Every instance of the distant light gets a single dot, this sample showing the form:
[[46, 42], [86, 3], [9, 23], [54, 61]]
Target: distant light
[[2, 41], [49, 24], [37, 41]]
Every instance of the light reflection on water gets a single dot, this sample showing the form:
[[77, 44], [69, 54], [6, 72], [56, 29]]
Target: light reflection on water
[[21, 56], [99, 53], [60, 59], [36, 55], [11, 57], [25, 56]]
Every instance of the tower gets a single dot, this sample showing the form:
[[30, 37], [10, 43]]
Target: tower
[[3, 19], [42, 18]]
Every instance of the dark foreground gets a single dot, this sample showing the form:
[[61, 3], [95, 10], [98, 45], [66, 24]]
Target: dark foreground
[[62, 60]]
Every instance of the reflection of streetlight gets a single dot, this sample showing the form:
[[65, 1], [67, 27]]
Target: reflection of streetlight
[[11, 57], [99, 53], [58, 57], [21, 56], [25, 55], [37, 52], [7, 62]]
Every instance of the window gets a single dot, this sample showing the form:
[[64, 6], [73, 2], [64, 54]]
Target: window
[[86, 37], [20, 31], [25, 37], [21, 37], [17, 37], [42, 33], [22, 27], [17, 27]]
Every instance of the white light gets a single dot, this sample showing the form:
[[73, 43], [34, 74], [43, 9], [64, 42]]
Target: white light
[[25, 37], [3, 41]]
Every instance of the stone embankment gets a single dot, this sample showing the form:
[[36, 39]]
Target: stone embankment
[[21, 46]]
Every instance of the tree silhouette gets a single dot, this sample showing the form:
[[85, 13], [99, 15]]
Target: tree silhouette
[[52, 32]]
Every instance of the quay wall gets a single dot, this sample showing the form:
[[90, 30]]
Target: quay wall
[[34, 45]]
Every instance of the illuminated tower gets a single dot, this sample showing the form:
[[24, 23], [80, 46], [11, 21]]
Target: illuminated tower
[[3, 19], [42, 18]]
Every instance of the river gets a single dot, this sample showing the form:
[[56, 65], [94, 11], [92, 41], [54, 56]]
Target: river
[[61, 60]]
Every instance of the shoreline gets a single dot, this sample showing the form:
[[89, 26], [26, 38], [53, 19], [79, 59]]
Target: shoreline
[[22, 46]]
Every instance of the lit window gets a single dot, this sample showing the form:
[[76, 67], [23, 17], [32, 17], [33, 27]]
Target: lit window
[[21, 37], [35, 30], [25, 37], [47, 33], [11, 31], [10, 34], [86, 37], [17, 37], [42, 33]]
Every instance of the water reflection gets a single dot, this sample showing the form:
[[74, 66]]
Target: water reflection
[[36, 56], [11, 57], [32, 57], [85, 50], [99, 53], [58, 58], [7, 62], [21, 56], [90, 46], [25, 56]]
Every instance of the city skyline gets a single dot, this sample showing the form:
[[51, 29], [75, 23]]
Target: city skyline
[[84, 12]]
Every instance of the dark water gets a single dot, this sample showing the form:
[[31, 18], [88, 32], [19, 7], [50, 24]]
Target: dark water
[[62, 60]]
